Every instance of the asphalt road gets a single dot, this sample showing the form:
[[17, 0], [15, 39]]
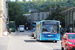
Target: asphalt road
[[24, 41]]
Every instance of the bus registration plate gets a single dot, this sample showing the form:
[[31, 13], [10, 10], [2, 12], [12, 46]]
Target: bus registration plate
[[50, 39]]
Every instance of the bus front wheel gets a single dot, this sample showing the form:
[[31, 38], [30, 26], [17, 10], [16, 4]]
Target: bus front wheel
[[55, 41]]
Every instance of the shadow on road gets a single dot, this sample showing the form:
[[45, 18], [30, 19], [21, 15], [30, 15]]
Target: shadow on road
[[47, 41], [30, 40], [39, 41], [56, 49], [44, 41]]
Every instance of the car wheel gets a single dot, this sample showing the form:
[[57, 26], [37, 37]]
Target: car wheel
[[62, 48], [34, 38], [66, 48], [38, 39], [32, 35]]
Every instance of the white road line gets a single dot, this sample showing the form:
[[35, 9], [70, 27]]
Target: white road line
[[40, 43], [9, 43], [57, 46], [45, 46]]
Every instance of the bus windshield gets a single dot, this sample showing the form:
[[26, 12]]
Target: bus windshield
[[49, 28]]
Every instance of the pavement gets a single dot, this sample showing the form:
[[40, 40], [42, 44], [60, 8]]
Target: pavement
[[24, 41], [4, 43]]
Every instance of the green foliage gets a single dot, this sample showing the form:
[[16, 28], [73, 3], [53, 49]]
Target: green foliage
[[21, 20], [55, 15], [41, 4], [14, 10], [15, 13]]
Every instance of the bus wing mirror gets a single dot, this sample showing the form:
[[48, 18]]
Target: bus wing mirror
[[60, 26]]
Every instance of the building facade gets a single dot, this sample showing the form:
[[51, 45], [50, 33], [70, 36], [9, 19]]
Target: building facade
[[3, 16], [28, 16], [38, 16], [70, 18]]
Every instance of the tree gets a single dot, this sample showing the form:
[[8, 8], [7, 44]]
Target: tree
[[14, 10], [20, 20], [41, 4], [15, 13], [55, 15]]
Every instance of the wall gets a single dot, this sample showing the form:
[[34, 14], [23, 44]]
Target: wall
[[3, 16], [37, 16]]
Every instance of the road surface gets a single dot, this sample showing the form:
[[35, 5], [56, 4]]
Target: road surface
[[24, 41]]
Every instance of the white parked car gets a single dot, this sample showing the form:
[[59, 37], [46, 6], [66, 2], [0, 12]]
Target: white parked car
[[21, 28]]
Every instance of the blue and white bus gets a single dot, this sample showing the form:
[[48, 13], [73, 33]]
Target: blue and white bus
[[48, 30]]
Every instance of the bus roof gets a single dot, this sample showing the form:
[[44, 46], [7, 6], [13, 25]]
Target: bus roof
[[50, 20]]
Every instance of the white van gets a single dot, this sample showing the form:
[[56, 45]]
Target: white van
[[21, 28]]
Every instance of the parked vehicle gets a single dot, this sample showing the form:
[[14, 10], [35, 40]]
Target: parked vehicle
[[68, 41], [33, 32], [33, 27], [21, 28], [12, 26]]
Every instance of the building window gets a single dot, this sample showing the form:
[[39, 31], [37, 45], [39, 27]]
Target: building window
[[42, 16]]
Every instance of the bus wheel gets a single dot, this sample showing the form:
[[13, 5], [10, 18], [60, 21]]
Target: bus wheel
[[55, 41], [32, 35], [34, 38]]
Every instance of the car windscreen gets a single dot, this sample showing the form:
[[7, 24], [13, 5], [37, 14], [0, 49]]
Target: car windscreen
[[21, 26], [71, 36]]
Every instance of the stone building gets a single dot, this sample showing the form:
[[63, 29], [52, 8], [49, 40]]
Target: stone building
[[69, 18], [39, 15], [3, 16]]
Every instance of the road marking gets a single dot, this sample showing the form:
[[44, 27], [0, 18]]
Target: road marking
[[9, 43], [40, 43], [45, 46], [57, 46]]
